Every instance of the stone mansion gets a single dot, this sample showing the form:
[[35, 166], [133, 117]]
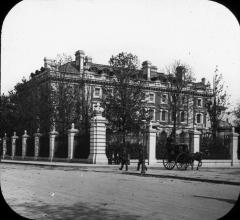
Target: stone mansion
[[193, 112]]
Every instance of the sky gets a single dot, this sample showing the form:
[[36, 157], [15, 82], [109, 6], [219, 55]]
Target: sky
[[203, 34]]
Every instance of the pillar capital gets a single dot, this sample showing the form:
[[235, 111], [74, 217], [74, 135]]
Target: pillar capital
[[25, 135], [53, 133], [15, 135], [195, 132], [37, 134], [73, 129]]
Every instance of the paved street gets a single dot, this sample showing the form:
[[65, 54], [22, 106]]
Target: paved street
[[41, 192]]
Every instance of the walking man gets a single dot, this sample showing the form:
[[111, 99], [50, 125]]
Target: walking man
[[141, 159], [124, 160]]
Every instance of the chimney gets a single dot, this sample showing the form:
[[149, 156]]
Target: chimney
[[88, 59], [146, 67], [79, 59], [203, 81], [180, 72], [45, 62]]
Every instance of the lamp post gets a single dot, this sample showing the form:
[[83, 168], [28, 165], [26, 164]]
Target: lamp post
[[145, 128]]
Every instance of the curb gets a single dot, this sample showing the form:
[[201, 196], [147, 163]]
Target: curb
[[126, 173], [185, 178]]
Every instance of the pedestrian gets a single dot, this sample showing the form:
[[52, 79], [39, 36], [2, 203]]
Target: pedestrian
[[141, 159], [124, 160]]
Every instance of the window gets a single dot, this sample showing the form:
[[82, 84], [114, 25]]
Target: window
[[172, 116], [182, 116], [199, 102], [97, 92], [152, 97], [164, 116], [183, 100], [199, 118], [164, 98], [152, 113]]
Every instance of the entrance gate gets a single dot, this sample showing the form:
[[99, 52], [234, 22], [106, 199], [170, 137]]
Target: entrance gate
[[81, 146], [114, 145]]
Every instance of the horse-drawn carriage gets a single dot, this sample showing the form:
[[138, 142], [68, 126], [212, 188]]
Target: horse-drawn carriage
[[172, 153], [179, 155]]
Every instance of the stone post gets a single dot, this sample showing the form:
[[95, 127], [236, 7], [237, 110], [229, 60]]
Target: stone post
[[4, 145], [151, 145], [37, 136], [71, 133], [14, 138], [98, 138], [234, 147], [24, 144], [52, 136], [195, 140]]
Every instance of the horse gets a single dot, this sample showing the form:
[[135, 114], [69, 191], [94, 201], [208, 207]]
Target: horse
[[198, 157]]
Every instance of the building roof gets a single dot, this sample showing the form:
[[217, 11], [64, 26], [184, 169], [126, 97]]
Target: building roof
[[69, 67]]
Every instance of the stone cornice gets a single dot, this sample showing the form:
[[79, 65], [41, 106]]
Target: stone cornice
[[102, 82]]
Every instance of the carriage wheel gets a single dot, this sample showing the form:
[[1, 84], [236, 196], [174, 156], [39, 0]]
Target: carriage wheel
[[181, 161], [168, 163]]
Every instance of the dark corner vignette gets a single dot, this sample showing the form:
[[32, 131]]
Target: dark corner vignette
[[234, 213], [6, 7], [6, 211], [233, 6]]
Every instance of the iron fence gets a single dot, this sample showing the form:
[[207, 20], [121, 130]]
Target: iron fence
[[18, 151], [30, 147], [44, 146], [218, 148], [133, 143], [161, 143], [61, 146], [81, 146], [9, 147], [238, 149]]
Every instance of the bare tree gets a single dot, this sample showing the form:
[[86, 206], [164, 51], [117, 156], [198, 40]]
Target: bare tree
[[123, 102], [72, 101], [178, 77], [219, 103]]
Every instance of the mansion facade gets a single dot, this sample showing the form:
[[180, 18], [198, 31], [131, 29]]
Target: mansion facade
[[192, 113]]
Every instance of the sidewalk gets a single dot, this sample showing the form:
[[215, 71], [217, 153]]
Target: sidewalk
[[212, 175]]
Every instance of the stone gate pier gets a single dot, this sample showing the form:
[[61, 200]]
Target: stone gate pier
[[98, 138]]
